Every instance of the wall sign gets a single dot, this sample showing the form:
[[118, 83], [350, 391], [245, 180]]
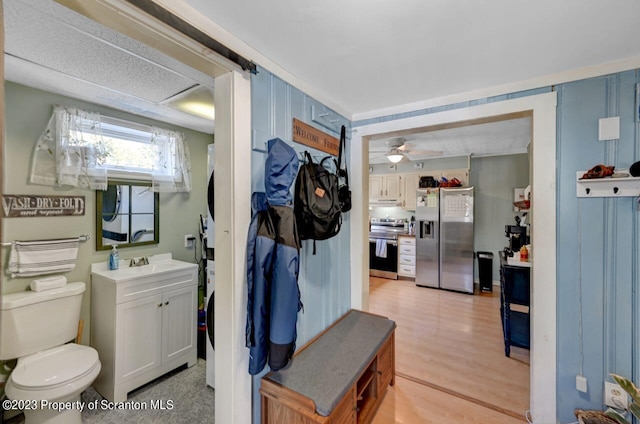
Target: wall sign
[[312, 137], [27, 205]]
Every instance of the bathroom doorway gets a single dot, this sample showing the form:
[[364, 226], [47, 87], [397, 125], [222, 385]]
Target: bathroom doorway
[[232, 94]]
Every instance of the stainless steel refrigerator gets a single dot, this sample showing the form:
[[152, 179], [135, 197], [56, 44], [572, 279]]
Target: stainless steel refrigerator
[[444, 238], [428, 237]]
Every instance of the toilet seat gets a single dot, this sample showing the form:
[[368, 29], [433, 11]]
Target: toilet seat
[[53, 373]]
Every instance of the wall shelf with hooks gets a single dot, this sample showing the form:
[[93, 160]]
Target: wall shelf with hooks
[[607, 187]]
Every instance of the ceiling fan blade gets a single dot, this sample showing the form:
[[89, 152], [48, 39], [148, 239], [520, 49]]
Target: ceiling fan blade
[[425, 152], [377, 155]]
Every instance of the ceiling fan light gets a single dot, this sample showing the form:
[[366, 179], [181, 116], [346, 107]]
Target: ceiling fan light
[[394, 157]]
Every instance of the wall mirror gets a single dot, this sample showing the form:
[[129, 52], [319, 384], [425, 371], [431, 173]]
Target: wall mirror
[[127, 214]]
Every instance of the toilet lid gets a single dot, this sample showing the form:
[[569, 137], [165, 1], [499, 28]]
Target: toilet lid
[[54, 366]]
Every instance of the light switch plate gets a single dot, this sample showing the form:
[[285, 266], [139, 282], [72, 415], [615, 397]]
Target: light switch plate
[[609, 128], [581, 383]]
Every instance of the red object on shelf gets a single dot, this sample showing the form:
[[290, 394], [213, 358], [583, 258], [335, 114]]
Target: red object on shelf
[[599, 171], [454, 182], [522, 204]]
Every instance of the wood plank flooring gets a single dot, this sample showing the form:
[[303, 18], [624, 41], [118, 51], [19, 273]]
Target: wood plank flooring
[[450, 362]]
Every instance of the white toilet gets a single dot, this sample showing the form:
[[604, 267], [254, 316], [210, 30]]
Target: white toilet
[[34, 327]]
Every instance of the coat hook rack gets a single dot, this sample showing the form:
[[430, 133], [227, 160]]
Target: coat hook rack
[[607, 187]]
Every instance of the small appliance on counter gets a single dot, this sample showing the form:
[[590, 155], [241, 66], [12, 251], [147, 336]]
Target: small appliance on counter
[[517, 235]]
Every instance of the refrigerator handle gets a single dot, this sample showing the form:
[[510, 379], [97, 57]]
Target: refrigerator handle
[[421, 225]]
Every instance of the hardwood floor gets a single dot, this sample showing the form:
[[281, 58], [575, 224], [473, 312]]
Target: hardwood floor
[[450, 362]]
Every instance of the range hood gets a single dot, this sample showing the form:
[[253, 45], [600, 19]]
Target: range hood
[[385, 202]]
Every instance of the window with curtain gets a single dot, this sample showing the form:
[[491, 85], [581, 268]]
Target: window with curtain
[[81, 148]]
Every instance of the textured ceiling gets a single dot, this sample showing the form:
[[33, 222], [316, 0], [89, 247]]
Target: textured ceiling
[[47, 46], [488, 139], [370, 55]]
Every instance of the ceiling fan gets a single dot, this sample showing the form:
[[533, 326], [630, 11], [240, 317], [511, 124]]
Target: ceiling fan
[[396, 150]]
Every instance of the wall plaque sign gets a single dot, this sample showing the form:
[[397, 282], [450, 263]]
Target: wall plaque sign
[[30, 205], [312, 137]]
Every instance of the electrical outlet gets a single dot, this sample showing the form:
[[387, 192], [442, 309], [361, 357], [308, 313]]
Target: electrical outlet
[[188, 240], [614, 396]]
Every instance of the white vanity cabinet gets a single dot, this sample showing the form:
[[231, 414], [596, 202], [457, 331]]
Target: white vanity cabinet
[[143, 323]]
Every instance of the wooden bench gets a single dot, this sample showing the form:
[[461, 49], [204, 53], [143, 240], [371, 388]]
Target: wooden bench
[[339, 377]]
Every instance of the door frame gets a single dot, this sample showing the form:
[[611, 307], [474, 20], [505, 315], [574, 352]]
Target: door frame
[[232, 183], [542, 109]]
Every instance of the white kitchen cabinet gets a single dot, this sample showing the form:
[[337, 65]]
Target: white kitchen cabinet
[[409, 186], [393, 186], [407, 256], [376, 186], [460, 174], [143, 323], [385, 186]]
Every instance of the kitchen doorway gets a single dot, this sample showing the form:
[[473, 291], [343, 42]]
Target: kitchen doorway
[[542, 110], [448, 340]]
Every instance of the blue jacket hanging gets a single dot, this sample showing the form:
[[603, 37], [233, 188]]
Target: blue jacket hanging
[[273, 264]]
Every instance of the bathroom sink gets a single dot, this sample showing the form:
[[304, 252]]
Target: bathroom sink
[[149, 269], [158, 264]]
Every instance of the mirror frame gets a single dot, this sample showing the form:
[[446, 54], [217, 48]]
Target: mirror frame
[[156, 217]]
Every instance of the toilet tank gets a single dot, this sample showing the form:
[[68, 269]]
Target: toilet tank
[[32, 321]]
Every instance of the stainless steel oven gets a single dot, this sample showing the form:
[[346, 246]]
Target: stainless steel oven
[[385, 230], [386, 267]]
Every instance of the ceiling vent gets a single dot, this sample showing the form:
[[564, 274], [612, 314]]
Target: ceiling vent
[[196, 100]]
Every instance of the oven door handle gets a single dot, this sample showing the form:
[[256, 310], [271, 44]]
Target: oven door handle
[[391, 242]]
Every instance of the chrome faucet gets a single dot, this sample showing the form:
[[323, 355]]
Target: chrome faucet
[[141, 261]]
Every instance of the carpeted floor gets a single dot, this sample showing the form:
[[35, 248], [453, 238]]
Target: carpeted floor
[[192, 401]]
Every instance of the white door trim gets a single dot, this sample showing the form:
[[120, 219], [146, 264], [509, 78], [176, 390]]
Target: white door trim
[[543, 237], [233, 188]]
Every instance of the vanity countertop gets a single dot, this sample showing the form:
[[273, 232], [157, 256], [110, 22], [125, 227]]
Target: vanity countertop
[[158, 264]]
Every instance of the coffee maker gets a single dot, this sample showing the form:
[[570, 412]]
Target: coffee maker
[[517, 236]]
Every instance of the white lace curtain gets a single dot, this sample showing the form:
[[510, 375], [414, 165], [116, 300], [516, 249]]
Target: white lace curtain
[[72, 152], [174, 168], [64, 155]]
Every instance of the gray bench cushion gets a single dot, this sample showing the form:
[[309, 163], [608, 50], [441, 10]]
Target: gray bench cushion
[[329, 367]]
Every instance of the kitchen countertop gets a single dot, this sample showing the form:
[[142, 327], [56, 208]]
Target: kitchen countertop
[[508, 261]]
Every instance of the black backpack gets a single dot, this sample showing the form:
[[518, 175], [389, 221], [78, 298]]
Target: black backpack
[[344, 193], [316, 204]]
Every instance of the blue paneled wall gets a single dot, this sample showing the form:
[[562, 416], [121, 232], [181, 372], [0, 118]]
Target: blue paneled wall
[[324, 278], [598, 302], [597, 243]]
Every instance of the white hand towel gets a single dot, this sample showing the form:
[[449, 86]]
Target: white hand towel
[[48, 283], [381, 248], [40, 257]]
